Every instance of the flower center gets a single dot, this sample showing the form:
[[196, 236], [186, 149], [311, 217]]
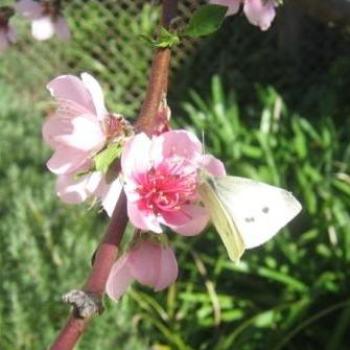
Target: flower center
[[167, 187]]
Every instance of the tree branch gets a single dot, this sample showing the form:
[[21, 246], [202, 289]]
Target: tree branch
[[108, 248]]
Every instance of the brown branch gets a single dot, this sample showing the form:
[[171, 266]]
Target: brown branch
[[157, 85], [108, 248]]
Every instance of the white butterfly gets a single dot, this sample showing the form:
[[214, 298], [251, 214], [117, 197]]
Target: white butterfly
[[246, 213]]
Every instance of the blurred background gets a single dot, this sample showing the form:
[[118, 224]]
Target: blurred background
[[273, 106]]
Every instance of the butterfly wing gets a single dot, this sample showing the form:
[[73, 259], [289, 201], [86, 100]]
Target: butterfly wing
[[258, 210], [222, 221]]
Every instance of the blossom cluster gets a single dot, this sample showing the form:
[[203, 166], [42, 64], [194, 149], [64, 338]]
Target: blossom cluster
[[168, 179], [46, 21], [159, 174]]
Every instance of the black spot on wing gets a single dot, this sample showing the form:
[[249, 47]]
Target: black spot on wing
[[249, 219], [265, 210]]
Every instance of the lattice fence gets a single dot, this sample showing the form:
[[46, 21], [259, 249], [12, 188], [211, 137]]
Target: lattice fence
[[296, 54], [106, 42]]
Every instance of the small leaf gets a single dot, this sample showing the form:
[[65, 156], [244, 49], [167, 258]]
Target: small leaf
[[105, 158], [206, 20], [166, 39]]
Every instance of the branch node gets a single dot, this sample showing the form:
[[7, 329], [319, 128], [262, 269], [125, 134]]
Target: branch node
[[85, 304]]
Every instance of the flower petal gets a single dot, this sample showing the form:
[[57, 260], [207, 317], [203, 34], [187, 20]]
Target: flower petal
[[96, 93], [67, 160], [109, 194], [86, 135], [142, 219], [174, 143], [233, 5], [260, 13], [68, 88], [43, 28], [144, 262], [213, 165], [72, 191], [119, 278], [136, 155], [169, 269], [198, 218]]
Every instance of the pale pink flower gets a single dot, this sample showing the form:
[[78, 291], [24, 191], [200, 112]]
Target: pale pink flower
[[148, 262], [258, 12], [46, 19], [77, 131], [161, 178]]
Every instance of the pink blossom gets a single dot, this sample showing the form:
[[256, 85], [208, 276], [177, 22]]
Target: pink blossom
[[77, 131], [148, 262], [161, 177], [46, 19], [258, 12]]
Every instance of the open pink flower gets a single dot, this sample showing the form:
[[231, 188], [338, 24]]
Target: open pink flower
[[77, 131], [46, 19], [7, 32], [149, 263], [258, 12], [161, 176]]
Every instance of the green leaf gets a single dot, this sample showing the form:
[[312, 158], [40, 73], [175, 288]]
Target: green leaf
[[166, 39], [105, 158], [206, 20]]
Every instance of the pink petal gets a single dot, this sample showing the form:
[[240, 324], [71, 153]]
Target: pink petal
[[29, 9], [169, 269], [43, 28], [96, 94], [109, 194], [72, 94], [213, 165], [176, 143], [94, 181], [198, 218], [142, 219], [82, 132], [119, 279], [136, 155], [233, 5], [62, 29], [144, 262], [260, 13], [86, 134], [70, 190], [67, 160]]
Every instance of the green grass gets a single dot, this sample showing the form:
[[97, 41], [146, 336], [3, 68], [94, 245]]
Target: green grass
[[292, 293]]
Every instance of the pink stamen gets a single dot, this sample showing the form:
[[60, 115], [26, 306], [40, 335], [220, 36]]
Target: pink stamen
[[168, 187]]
